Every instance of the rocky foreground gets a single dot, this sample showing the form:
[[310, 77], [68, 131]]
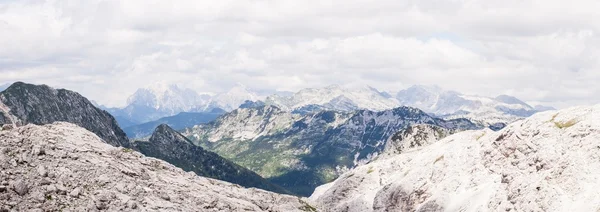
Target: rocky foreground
[[63, 167], [549, 162]]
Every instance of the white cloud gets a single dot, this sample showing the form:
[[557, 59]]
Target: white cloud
[[540, 51]]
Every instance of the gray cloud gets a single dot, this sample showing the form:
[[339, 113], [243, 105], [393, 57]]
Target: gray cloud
[[540, 51]]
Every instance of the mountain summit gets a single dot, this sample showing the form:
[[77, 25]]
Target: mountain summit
[[168, 98], [22, 104]]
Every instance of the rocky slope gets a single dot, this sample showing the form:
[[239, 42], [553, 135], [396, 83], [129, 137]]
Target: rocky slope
[[301, 152], [62, 167], [168, 145], [179, 121], [548, 162], [22, 103], [413, 137]]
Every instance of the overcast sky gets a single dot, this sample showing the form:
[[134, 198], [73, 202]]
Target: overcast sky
[[544, 51]]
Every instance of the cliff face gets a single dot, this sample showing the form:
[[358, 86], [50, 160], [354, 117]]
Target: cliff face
[[22, 104], [63, 167]]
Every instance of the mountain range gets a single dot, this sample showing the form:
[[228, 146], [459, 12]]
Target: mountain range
[[300, 152], [335, 97], [60, 152], [163, 100], [431, 99]]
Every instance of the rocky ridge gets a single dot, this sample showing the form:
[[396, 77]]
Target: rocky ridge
[[22, 103], [63, 167]]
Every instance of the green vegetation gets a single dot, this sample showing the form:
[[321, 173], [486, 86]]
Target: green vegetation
[[480, 136], [282, 160], [370, 170], [564, 125], [440, 158], [307, 207]]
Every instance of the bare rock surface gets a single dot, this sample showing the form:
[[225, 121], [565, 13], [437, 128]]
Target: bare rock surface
[[63, 167], [548, 162]]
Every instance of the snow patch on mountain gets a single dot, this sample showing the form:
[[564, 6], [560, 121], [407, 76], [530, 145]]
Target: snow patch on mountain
[[548, 162], [343, 98]]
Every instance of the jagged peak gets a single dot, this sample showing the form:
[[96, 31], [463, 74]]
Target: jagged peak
[[22, 85], [163, 130]]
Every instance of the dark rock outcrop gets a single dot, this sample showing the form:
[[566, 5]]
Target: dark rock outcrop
[[23, 104]]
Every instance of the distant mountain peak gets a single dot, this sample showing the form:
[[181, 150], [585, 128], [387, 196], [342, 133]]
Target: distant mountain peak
[[336, 97], [451, 104], [164, 133]]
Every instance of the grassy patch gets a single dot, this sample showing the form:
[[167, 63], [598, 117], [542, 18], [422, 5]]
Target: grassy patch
[[553, 117], [127, 150], [440, 158], [480, 136], [370, 170], [564, 125], [307, 207]]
